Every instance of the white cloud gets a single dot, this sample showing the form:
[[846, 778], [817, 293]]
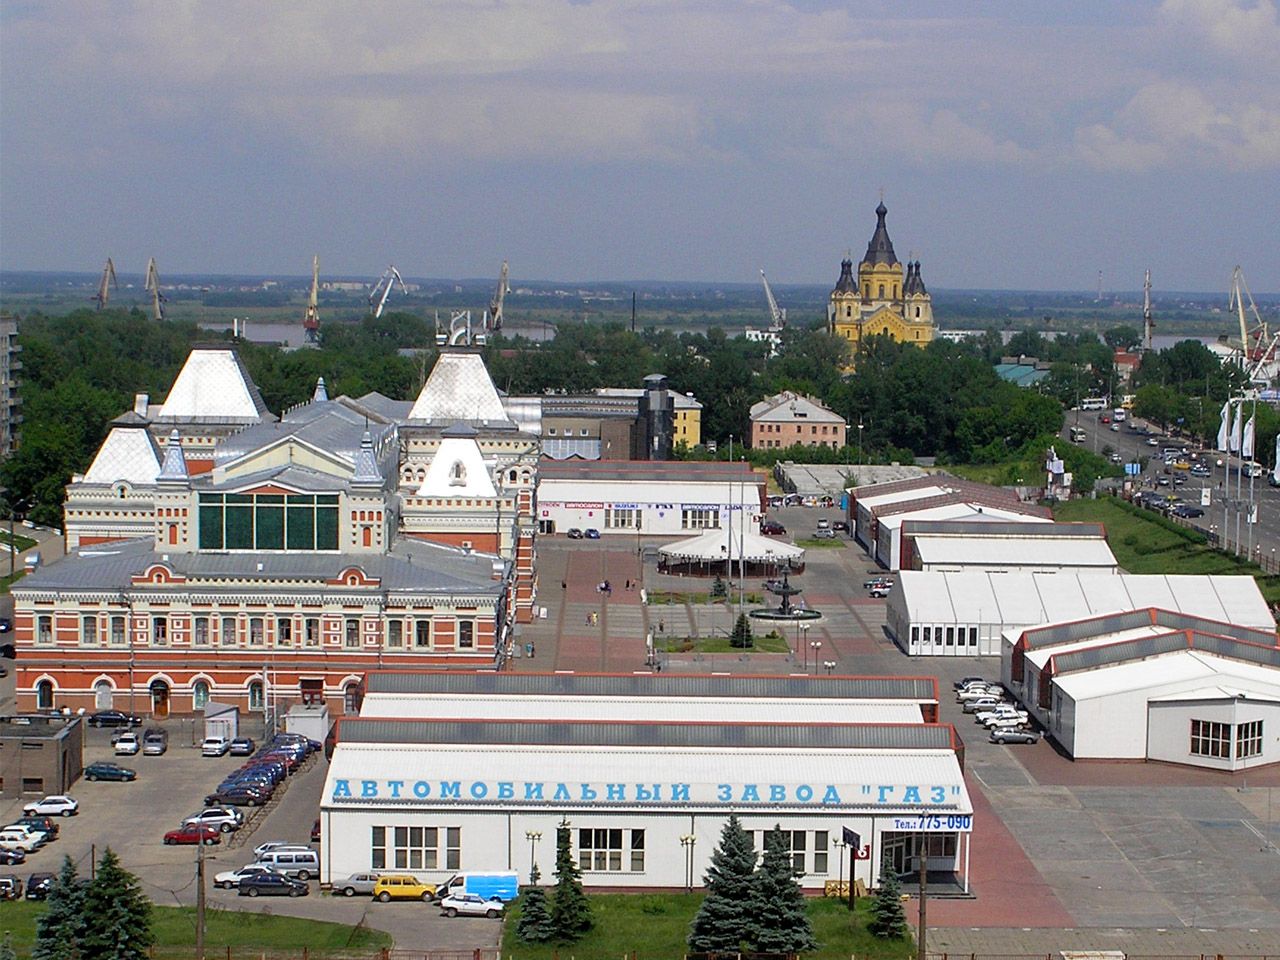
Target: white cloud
[[1245, 33]]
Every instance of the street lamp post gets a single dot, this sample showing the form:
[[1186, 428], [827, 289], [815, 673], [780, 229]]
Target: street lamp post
[[859, 443], [828, 665], [533, 836], [840, 845], [817, 645], [687, 841], [804, 644]]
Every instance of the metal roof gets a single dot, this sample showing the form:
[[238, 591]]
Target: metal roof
[[914, 736], [459, 388], [213, 384], [920, 689], [129, 453], [987, 528], [684, 471]]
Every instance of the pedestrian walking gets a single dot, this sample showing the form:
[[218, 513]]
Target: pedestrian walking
[[564, 585], [662, 626]]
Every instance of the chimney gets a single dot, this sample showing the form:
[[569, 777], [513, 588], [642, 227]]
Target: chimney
[[140, 401]]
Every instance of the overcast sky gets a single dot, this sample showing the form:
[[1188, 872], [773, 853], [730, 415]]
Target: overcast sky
[[1022, 145]]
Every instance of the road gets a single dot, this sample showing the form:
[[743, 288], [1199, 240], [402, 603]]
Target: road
[[1130, 441]]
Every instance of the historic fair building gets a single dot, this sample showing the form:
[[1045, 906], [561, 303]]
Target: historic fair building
[[458, 771], [217, 552], [884, 299]]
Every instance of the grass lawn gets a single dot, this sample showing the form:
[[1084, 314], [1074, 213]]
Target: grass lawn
[[175, 932], [7, 581], [1144, 542], [680, 597], [835, 543], [23, 543], [655, 925], [771, 643]]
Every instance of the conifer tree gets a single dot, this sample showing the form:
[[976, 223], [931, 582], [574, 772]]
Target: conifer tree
[[718, 590], [117, 914], [60, 929], [570, 911], [741, 637], [724, 919], [535, 924], [779, 921], [888, 919]]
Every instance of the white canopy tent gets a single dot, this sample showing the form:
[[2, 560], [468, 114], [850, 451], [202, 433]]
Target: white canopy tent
[[720, 548]]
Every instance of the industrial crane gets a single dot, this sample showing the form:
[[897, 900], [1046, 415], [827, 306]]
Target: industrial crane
[[1257, 344], [390, 277], [152, 286], [778, 316], [311, 322], [494, 319], [1148, 324], [105, 284]]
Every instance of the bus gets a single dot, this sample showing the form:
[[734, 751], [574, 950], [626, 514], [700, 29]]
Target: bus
[[1093, 403]]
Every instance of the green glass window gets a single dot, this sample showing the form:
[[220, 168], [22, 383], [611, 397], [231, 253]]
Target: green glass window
[[241, 521], [269, 528], [210, 526], [302, 527], [239, 526], [326, 528]]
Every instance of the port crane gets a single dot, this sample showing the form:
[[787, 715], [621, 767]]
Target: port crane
[[1148, 324], [311, 321], [390, 277], [493, 320], [152, 286], [1258, 345], [777, 315], [105, 284]]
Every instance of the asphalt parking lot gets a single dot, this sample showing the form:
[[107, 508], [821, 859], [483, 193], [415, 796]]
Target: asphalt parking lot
[[132, 819]]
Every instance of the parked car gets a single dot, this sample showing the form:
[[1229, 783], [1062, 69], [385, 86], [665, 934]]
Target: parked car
[[573, 533], [39, 885], [356, 883], [1014, 735], [193, 834], [229, 879], [981, 704], [823, 523], [114, 718], [105, 770], [11, 856], [245, 795], [263, 849], [1188, 511], [155, 742], [10, 888], [966, 681], [23, 838], [841, 526], [57, 805], [242, 747], [224, 819], [127, 745], [471, 905], [591, 533], [303, 863], [273, 885], [999, 712], [215, 746], [315, 831], [47, 824], [772, 528], [824, 533], [402, 886], [996, 723], [879, 593]]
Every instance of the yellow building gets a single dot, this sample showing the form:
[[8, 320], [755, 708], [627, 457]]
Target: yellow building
[[886, 299]]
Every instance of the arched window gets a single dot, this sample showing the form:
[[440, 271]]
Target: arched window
[[255, 695], [102, 691], [895, 291], [917, 312], [457, 474], [44, 695], [159, 699], [199, 695], [882, 291], [511, 476], [351, 699], [848, 311]]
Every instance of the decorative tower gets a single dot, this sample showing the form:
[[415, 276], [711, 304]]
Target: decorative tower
[[918, 305], [173, 506], [880, 273], [845, 308]]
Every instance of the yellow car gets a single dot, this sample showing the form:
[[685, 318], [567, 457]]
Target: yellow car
[[403, 886], [1182, 464]]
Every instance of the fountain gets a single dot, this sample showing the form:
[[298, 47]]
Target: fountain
[[784, 611]]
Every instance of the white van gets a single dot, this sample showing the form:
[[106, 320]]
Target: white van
[[1118, 414], [303, 864]]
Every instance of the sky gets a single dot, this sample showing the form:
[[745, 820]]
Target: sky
[[1023, 145]]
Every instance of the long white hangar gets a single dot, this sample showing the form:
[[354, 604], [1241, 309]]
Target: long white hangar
[[645, 801]]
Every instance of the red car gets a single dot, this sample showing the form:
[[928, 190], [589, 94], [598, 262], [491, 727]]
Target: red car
[[193, 834], [315, 831]]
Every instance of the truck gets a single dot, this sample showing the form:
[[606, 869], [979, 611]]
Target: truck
[[501, 885]]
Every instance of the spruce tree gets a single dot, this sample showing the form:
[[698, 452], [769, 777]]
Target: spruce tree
[[60, 929], [779, 921], [718, 590], [888, 919], [741, 637], [117, 914], [535, 924], [724, 919], [570, 911]]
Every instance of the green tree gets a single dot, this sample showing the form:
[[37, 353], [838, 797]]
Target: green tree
[[570, 910], [1122, 337], [888, 919], [117, 914], [535, 925], [779, 923], [724, 919], [741, 637], [718, 589], [60, 930]]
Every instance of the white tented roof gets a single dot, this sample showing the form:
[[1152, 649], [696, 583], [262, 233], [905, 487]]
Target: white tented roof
[[1026, 599], [1014, 551], [1191, 669], [643, 709], [128, 454], [213, 384], [459, 389], [727, 543], [457, 470], [902, 496], [959, 511]]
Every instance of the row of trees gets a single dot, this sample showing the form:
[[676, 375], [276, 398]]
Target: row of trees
[[106, 918], [566, 916]]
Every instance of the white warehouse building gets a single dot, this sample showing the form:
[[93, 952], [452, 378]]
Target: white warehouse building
[[451, 771], [967, 614], [1151, 684]]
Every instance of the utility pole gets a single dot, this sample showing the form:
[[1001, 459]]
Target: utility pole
[[200, 900], [923, 951]]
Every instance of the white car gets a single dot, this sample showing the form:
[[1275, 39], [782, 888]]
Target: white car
[[230, 879], [471, 905], [1002, 723], [127, 745], [976, 692], [223, 819], [215, 746], [981, 704], [22, 838], [54, 806], [1000, 712], [263, 849]]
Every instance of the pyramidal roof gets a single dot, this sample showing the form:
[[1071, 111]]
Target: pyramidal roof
[[128, 453], [880, 249], [214, 385], [458, 469], [459, 389]]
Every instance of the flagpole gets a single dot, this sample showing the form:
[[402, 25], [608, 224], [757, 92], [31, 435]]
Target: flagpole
[[1253, 440], [1224, 445]]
